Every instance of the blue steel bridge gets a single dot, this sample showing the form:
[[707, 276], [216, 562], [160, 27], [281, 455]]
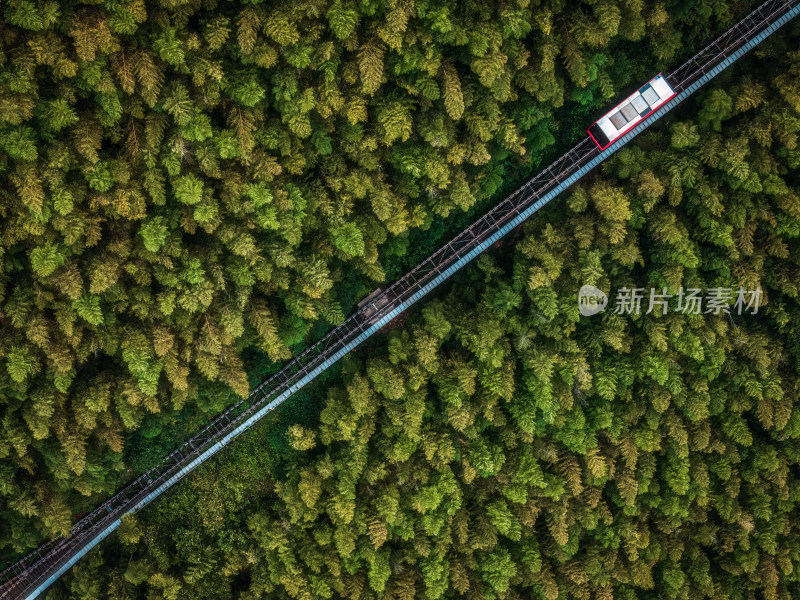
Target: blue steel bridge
[[33, 574]]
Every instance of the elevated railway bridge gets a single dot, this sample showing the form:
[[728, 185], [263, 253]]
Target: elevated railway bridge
[[37, 571]]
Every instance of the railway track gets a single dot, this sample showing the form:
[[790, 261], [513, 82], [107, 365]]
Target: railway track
[[37, 571]]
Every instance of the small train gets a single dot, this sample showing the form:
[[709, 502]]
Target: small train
[[630, 112], [369, 307]]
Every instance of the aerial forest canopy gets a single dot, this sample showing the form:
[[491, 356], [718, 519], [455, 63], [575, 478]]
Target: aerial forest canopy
[[501, 446], [184, 182]]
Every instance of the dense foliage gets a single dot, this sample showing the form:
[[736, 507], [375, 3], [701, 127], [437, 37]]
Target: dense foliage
[[500, 445], [183, 180]]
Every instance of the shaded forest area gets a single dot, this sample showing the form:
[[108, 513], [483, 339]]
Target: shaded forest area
[[192, 189], [499, 445]]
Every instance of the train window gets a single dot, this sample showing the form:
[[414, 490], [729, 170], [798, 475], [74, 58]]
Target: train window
[[629, 112], [640, 105], [650, 96], [618, 120]]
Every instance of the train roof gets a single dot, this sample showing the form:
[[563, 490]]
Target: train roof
[[631, 111]]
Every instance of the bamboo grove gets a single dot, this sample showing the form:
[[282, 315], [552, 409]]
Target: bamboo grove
[[185, 182], [500, 445]]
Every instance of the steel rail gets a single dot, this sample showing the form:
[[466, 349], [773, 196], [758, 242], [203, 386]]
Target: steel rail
[[39, 569]]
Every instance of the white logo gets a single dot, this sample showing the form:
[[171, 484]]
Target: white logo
[[630, 301], [591, 300]]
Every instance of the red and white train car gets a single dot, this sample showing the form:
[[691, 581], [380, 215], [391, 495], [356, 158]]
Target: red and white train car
[[630, 112]]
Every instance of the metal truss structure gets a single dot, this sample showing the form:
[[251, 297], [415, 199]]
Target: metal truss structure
[[35, 572]]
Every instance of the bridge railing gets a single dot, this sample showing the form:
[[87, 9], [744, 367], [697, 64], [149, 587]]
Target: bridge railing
[[729, 41]]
